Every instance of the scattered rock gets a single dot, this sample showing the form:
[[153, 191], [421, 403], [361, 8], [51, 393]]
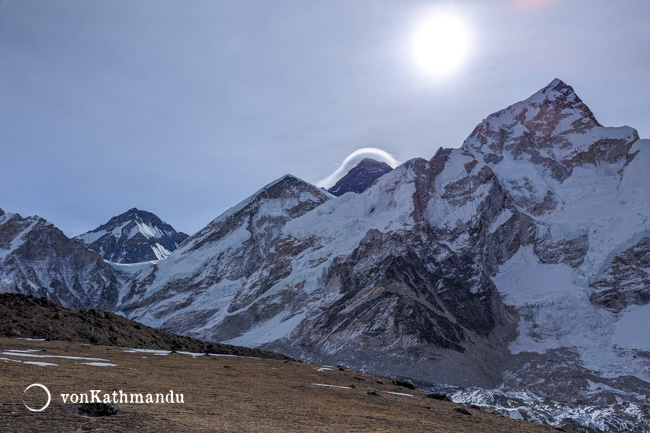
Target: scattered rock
[[380, 382], [462, 410], [93, 409], [438, 396], [373, 392], [403, 383]]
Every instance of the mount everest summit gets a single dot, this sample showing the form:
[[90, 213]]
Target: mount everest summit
[[360, 177], [517, 263]]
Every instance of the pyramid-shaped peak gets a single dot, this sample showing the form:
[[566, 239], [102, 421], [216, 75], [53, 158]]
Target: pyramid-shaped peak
[[133, 236], [558, 85], [284, 188], [554, 111], [136, 214], [557, 97], [360, 177], [554, 90], [552, 128], [287, 185], [369, 160]]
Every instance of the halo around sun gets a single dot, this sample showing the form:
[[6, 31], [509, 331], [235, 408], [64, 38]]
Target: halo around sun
[[440, 43]]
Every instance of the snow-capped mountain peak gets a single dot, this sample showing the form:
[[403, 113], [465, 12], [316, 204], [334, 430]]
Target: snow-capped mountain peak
[[133, 236], [552, 128], [276, 203]]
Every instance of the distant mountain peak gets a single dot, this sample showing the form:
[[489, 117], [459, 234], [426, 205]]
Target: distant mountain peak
[[360, 177], [133, 236]]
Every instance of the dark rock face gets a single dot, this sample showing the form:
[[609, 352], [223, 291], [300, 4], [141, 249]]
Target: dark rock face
[[438, 396], [462, 410], [404, 383], [133, 237], [359, 178], [626, 280]]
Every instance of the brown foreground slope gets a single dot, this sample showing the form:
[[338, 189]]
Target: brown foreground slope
[[24, 316], [220, 394]]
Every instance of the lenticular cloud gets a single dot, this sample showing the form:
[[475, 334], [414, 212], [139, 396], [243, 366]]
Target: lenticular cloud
[[352, 159]]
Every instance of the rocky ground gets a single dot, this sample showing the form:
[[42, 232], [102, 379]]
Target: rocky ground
[[29, 317], [221, 393]]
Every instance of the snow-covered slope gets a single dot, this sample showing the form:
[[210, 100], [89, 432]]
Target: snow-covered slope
[[226, 264], [132, 237]]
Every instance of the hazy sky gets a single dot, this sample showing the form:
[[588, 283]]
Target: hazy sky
[[184, 108]]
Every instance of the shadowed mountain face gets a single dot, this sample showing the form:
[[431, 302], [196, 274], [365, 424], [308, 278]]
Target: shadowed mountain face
[[359, 178], [518, 260], [133, 237], [37, 259]]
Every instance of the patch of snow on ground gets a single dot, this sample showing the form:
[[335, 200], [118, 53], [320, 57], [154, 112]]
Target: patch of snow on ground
[[151, 351], [331, 386], [32, 355], [40, 363], [193, 354], [9, 360]]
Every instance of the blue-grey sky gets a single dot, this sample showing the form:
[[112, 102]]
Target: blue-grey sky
[[184, 108]]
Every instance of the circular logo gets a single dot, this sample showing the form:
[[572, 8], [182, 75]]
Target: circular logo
[[49, 397]]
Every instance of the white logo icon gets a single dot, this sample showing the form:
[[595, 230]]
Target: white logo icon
[[49, 397]]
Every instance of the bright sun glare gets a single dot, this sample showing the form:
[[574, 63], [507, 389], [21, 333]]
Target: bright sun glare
[[440, 44]]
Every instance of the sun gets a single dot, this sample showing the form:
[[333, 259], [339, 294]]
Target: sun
[[440, 44]]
